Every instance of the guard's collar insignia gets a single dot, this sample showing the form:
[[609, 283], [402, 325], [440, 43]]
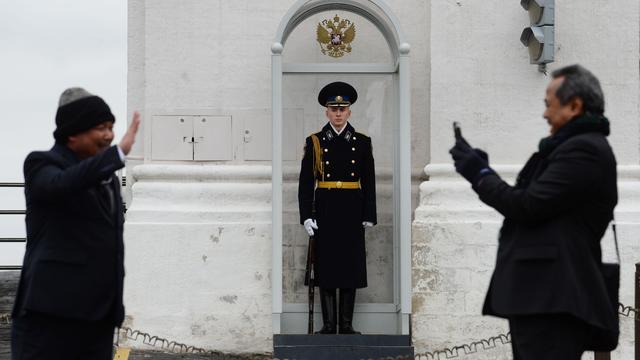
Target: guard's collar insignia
[[348, 135], [329, 134]]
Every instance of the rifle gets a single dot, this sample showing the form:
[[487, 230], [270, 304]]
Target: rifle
[[309, 274], [309, 279]]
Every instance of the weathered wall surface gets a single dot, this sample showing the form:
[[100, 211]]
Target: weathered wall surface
[[467, 65], [198, 234], [198, 270], [480, 76], [215, 55]]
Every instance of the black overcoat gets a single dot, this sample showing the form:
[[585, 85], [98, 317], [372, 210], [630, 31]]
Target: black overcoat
[[340, 245], [549, 253], [73, 264]]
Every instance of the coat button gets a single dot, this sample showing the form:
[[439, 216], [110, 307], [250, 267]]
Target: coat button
[[324, 139], [352, 161], [326, 150], [354, 138], [328, 175], [352, 149], [352, 174], [326, 162]]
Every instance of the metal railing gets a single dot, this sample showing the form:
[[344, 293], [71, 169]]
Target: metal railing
[[23, 212], [11, 212]]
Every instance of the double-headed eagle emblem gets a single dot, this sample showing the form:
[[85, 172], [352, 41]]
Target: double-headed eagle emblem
[[335, 36]]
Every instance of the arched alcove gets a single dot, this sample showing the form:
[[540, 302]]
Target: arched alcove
[[382, 79]]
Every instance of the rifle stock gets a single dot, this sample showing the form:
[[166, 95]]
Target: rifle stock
[[308, 273], [309, 280]]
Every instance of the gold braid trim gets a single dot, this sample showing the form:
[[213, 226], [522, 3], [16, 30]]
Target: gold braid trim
[[318, 170]]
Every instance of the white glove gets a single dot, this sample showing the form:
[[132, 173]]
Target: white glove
[[309, 225], [367, 224]]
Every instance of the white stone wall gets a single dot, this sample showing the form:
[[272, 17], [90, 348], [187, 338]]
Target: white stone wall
[[215, 55], [198, 234], [198, 245], [454, 246], [480, 76]]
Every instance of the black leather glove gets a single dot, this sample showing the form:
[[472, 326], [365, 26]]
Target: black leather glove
[[471, 163], [483, 155], [480, 152]]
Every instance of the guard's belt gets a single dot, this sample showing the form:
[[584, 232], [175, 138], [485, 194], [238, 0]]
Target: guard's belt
[[338, 185]]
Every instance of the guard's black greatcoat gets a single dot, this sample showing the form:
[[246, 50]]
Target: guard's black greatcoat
[[73, 266], [340, 246], [549, 253]]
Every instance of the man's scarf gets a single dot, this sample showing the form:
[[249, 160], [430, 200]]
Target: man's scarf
[[582, 124]]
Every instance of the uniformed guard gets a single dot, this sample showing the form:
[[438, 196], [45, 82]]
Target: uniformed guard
[[337, 199]]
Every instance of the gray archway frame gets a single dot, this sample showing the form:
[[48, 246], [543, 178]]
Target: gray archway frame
[[380, 15]]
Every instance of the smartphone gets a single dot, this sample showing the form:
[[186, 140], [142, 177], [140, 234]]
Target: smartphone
[[457, 132]]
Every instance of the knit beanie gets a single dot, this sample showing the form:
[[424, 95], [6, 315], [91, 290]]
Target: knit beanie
[[78, 111]]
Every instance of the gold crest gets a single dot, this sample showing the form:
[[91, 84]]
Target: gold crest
[[335, 36]]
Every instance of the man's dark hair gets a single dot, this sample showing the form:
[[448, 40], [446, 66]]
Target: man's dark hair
[[581, 83]]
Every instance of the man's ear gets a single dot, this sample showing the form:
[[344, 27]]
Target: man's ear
[[72, 140], [576, 105]]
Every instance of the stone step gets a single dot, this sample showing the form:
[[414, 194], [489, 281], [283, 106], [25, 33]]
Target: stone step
[[338, 347]]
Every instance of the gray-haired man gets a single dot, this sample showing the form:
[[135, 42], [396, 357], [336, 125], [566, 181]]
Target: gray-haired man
[[548, 280]]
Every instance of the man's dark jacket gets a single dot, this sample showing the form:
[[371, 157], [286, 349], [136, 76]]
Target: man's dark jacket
[[73, 265], [549, 254]]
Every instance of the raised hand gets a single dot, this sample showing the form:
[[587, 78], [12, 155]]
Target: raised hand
[[469, 162], [130, 136]]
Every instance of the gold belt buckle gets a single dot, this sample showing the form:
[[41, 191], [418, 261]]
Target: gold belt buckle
[[339, 184]]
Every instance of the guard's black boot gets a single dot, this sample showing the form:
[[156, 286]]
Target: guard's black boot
[[329, 311], [347, 303]]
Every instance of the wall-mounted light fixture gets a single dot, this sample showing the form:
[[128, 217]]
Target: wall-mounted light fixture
[[539, 36]]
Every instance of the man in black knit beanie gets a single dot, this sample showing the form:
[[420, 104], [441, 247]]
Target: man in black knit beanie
[[69, 298]]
